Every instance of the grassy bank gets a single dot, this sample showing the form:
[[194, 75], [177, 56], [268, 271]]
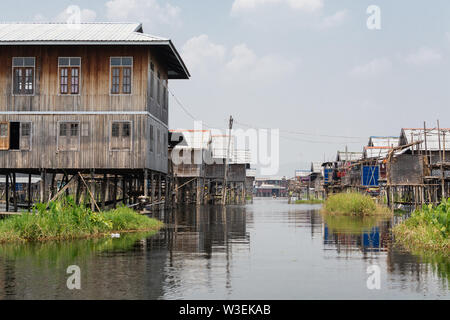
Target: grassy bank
[[353, 204], [312, 201], [427, 230], [64, 220]]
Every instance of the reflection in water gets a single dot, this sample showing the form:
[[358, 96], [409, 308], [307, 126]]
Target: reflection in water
[[367, 234], [267, 250]]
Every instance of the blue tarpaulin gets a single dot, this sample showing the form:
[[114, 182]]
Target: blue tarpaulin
[[370, 176]]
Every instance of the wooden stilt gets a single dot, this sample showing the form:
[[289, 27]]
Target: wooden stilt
[[115, 192], [103, 193], [159, 189], [198, 200], [7, 191], [166, 192], [14, 186], [29, 193], [145, 183], [42, 187], [92, 187], [78, 192]]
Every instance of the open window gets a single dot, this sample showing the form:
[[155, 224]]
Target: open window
[[121, 137], [15, 136], [68, 136]]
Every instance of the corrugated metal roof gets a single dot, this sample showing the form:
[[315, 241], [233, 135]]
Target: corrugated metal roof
[[194, 139], [391, 142], [251, 173], [92, 34], [302, 173], [316, 167], [410, 135], [376, 152], [83, 32], [349, 156]]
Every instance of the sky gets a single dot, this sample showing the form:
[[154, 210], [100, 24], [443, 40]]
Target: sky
[[310, 68]]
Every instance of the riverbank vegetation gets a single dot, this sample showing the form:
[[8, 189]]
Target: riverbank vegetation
[[353, 204], [427, 230], [64, 220], [311, 201]]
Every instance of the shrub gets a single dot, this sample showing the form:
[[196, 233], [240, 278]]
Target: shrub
[[352, 204], [65, 220]]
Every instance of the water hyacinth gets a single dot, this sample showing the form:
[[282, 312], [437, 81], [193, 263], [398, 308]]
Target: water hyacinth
[[427, 229]]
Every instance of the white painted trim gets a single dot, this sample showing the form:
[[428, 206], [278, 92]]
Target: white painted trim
[[92, 113]]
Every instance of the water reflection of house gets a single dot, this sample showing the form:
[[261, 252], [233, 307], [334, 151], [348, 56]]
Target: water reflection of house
[[376, 239]]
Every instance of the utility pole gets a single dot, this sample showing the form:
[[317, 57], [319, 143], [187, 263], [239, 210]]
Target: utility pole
[[224, 187], [441, 159]]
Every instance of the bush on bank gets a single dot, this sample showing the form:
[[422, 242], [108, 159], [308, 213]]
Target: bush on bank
[[311, 201], [427, 229], [353, 204], [64, 220]]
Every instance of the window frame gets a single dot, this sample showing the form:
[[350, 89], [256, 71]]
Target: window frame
[[131, 136], [30, 137], [13, 67], [69, 77], [121, 68], [68, 133]]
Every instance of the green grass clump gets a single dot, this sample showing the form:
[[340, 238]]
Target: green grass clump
[[353, 204], [312, 201], [427, 229], [64, 220]]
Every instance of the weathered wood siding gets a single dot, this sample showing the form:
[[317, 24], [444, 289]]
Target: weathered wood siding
[[94, 106], [407, 169], [94, 150]]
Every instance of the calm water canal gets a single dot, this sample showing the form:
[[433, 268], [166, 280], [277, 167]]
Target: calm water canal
[[265, 250]]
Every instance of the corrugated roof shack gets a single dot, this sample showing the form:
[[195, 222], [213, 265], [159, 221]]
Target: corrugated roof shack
[[418, 171], [317, 180], [349, 168], [86, 98], [189, 158], [224, 146]]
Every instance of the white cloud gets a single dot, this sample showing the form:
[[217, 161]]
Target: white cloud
[[236, 65], [423, 56], [246, 65], [199, 52], [70, 14], [303, 5], [334, 20], [372, 68], [148, 11], [86, 15]]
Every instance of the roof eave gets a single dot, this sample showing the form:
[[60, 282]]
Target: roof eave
[[184, 75]]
